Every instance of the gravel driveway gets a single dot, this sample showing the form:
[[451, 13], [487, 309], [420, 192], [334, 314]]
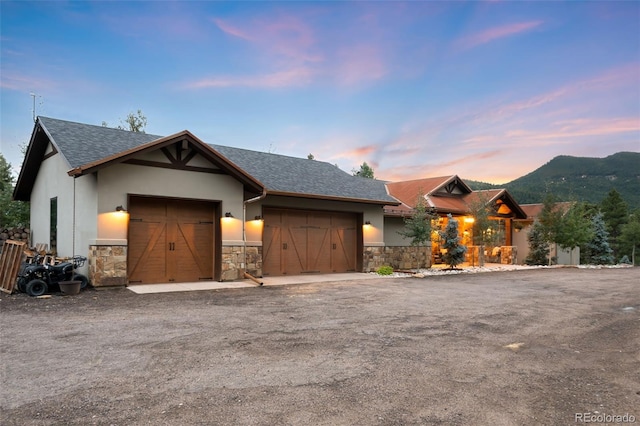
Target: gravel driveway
[[500, 348]]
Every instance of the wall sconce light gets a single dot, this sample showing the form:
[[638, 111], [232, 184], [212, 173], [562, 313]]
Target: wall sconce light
[[120, 209], [368, 222], [228, 214], [258, 217]]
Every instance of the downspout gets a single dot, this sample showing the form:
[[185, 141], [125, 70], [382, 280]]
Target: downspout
[[244, 231], [73, 231]]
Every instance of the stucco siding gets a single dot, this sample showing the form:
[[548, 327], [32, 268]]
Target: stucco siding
[[392, 225], [520, 241], [52, 181], [86, 200], [115, 183]]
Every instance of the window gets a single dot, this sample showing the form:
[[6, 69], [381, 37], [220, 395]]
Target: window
[[53, 225]]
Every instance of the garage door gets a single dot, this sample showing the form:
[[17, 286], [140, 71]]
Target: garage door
[[298, 242], [170, 240]]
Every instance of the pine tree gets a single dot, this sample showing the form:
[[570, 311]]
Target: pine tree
[[538, 246], [418, 227], [616, 214], [630, 237], [550, 220], [454, 250], [598, 251], [12, 213], [365, 171], [574, 230]]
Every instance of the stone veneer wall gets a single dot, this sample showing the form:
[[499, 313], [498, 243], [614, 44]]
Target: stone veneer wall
[[508, 255], [108, 266], [398, 257], [233, 258]]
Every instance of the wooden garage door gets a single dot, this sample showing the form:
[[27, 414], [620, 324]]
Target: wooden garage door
[[170, 240], [298, 242]]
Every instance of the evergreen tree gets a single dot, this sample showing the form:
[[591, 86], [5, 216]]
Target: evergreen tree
[[574, 229], [480, 210], [630, 237], [538, 246], [598, 251], [615, 214], [418, 227], [550, 219], [365, 171], [12, 213], [454, 249], [132, 123]]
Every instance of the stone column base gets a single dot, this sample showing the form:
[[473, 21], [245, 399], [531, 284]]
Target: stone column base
[[108, 265], [233, 262]]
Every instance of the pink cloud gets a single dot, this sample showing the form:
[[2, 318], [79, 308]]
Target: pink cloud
[[578, 128], [287, 78], [227, 28], [495, 33], [526, 132], [22, 82], [290, 42], [359, 63], [285, 35], [358, 153]]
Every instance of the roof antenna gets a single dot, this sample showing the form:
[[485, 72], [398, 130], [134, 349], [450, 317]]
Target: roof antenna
[[33, 110]]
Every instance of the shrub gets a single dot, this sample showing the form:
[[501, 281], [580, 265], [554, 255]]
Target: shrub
[[384, 270]]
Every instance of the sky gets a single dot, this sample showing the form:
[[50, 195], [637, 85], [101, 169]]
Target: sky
[[489, 91]]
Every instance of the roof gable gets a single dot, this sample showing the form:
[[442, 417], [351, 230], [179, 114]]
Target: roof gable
[[444, 193], [450, 194], [500, 200]]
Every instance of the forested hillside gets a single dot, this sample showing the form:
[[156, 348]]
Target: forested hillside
[[578, 178]]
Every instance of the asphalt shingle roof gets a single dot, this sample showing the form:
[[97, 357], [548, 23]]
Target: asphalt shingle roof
[[82, 144], [280, 173]]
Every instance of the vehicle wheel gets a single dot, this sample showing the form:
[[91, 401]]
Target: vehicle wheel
[[22, 284], [84, 281], [36, 288]]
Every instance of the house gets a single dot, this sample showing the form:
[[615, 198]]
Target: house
[[153, 209], [451, 195], [150, 209]]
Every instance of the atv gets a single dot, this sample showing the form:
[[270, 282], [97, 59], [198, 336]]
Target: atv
[[39, 277]]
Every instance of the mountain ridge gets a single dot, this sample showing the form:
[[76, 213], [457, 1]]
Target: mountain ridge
[[570, 178]]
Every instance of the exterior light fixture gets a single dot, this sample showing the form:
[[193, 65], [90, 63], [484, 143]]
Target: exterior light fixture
[[228, 214], [258, 217], [368, 222], [120, 209]]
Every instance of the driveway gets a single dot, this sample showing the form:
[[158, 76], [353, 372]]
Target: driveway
[[498, 348]]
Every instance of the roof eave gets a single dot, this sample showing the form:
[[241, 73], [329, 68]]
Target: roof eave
[[333, 198], [31, 164]]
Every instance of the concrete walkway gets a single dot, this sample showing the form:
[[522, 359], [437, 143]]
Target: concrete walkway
[[267, 281], [295, 279]]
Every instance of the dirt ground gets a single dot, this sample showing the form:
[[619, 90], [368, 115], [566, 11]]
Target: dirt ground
[[389, 351]]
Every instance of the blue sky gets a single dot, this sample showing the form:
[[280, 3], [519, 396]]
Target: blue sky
[[486, 90]]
